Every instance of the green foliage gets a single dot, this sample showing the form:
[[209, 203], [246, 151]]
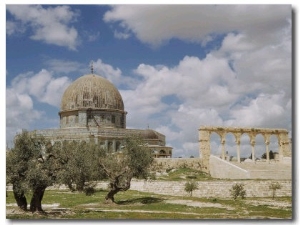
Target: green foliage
[[89, 191], [134, 161], [29, 168], [79, 162], [190, 186], [238, 190], [271, 155], [186, 173], [274, 187]]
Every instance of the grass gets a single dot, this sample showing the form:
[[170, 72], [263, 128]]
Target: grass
[[184, 174], [145, 206]]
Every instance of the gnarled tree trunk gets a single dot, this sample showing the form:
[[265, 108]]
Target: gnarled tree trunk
[[36, 200], [120, 183], [20, 197]]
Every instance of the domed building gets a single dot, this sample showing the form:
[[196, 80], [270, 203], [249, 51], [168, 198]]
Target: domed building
[[92, 109], [92, 101]]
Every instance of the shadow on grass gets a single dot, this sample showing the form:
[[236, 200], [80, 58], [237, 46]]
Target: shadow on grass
[[145, 200]]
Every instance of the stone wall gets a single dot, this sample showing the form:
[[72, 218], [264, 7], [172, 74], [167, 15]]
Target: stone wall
[[209, 189], [222, 169], [163, 164]]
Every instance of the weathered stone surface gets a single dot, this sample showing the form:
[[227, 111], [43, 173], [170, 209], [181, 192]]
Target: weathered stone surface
[[209, 189]]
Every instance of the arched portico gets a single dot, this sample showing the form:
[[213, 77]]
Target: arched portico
[[205, 132]]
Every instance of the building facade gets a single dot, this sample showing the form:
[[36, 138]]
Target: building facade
[[92, 109]]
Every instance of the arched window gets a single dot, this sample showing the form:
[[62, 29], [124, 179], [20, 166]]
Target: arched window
[[162, 152]]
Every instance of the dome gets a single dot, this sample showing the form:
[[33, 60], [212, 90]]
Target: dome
[[91, 92], [149, 134]]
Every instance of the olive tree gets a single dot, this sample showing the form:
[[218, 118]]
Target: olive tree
[[190, 186], [274, 187], [79, 164], [133, 161], [30, 168]]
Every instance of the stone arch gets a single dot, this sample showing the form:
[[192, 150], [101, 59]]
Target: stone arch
[[245, 146], [230, 146], [118, 146], [260, 145], [274, 144], [215, 143], [205, 132], [162, 152]]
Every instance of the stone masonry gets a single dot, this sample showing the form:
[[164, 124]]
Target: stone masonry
[[209, 189]]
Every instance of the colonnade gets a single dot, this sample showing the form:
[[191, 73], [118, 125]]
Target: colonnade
[[282, 136]]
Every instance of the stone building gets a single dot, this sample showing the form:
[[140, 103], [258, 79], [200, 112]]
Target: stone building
[[92, 109]]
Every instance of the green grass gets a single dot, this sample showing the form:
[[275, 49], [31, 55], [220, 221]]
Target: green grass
[[185, 174], [142, 206]]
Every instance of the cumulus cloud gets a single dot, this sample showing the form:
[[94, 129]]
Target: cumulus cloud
[[43, 86], [22, 94], [155, 24], [239, 84], [107, 71], [19, 112], [262, 111], [50, 25]]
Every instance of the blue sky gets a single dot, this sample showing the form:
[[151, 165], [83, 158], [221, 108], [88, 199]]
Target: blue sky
[[176, 67]]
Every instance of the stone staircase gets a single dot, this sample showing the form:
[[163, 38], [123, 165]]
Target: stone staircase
[[250, 170]]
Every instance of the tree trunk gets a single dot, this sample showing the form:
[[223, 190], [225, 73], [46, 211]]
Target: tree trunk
[[36, 200], [20, 198], [109, 198], [117, 185]]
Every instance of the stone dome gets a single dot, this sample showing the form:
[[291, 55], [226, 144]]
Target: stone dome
[[149, 134], [91, 92]]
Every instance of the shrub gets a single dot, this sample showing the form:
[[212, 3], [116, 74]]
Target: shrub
[[238, 190], [190, 186], [274, 187], [89, 191]]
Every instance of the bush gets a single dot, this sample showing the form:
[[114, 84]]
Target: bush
[[238, 190], [89, 191], [274, 187], [190, 186]]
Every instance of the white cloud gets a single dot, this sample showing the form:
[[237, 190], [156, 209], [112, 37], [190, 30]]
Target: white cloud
[[264, 111], [43, 86], [154, 24], [107, 71], [14, 28], [93, 36], [237, 85], [63, 66], [121, 35], [20, 113], [50, 25], [23, 95]]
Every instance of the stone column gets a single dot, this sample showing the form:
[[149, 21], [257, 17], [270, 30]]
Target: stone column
[[204, 147], [223, 148], [238, 147], [238, 150], [253, 150], [284, 146], [114, 146], [267, 142]]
